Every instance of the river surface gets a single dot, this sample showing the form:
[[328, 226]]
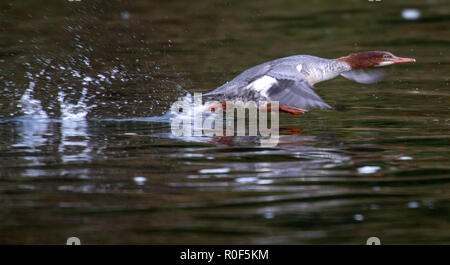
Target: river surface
[[86, 151]]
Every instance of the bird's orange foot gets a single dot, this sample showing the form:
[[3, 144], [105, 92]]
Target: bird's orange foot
[[294, 111], [215, 107], [292, 130], [224, 140]]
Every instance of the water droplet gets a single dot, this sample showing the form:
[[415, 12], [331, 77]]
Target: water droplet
[[269, 215], [140, 180], [125, 15], [246, 180], [411, 14], [374, 207], [358, 217], [368, 169], [214, 170], [413, 205]]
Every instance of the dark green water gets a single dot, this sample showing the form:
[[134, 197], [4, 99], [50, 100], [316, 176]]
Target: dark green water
[[378, 166]]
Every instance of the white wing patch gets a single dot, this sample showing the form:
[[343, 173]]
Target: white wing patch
[[299, 67], [262, 84]]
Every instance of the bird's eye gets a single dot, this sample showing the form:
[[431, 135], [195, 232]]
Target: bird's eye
[[387, 56]]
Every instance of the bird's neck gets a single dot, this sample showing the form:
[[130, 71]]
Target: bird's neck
[[339, 66], [326, 70]]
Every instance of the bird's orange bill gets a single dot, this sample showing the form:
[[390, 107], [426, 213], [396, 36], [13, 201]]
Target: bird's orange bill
[[403, 60]]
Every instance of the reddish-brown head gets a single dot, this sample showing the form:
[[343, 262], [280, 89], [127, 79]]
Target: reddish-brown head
[[373, 59]]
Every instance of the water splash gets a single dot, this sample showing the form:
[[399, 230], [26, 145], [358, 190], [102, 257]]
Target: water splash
[[191, 111], [35, 125], [77, 111], [30, 105], [74, 126]]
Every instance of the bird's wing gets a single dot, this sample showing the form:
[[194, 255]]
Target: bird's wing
[[237, 86], [291, 88], [364, 77]]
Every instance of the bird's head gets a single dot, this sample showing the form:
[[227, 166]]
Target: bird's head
[[362, 60]]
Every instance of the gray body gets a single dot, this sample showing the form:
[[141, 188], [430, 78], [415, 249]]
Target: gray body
[[289, 80]]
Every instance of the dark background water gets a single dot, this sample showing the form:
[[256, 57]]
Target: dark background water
[[72, 165]]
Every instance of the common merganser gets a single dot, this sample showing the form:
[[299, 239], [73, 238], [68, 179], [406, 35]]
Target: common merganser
[[290, 80]]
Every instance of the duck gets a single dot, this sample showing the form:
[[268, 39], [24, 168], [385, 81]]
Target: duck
[[290, 80]]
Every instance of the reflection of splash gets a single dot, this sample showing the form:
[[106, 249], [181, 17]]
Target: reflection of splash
[[74, 141], [32, 131], [34, 134]]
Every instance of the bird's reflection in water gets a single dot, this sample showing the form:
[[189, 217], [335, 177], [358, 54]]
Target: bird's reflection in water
[[291, 136], [295, 157]]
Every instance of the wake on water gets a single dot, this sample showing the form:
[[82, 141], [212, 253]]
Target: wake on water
[[35, 121], [74, 119]]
